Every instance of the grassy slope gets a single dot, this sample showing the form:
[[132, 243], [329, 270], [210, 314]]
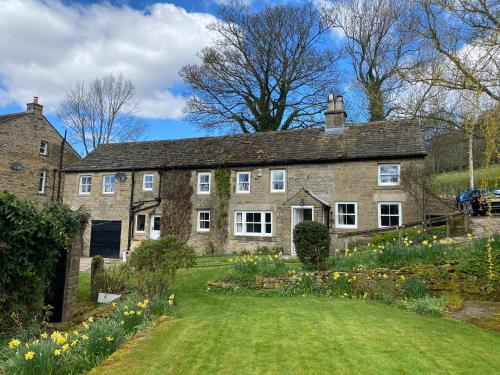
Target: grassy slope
[[218, 334], [453, 182]]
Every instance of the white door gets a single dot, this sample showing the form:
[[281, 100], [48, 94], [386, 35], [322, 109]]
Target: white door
[[300, 214], [155, 227]]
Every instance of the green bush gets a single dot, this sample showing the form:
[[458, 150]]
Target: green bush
[[414, 288], [104, 337], [427, 306], [312, 243], [31, 239], [157, 261]]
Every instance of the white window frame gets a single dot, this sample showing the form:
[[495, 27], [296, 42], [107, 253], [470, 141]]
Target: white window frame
[[243, 222], [42, 175], [136, 221], [144, 188], [80, 191], [199, 228], [273, 190], [44, 148], [104, 184], [200, 174], [337, 215], [238, 174], [380, 174], [400, 221]]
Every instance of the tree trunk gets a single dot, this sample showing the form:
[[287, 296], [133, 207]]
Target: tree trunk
[[375, 102], [471, 160]]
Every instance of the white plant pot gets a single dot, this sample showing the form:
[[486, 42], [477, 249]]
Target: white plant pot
[[107, 297]]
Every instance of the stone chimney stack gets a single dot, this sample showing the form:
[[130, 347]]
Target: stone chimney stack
[[335, 115], [34, 107]]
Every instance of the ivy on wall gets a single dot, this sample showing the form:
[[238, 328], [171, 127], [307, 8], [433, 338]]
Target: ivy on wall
[[176, 195], [219, 207]]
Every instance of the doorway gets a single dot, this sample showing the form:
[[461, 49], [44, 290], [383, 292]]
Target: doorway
[[300, 214], [155, 227]]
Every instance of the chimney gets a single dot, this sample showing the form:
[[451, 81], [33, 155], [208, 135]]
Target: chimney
[[34, 107], [335, 115]]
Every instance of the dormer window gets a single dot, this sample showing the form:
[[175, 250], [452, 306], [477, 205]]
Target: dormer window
[[44, 148]]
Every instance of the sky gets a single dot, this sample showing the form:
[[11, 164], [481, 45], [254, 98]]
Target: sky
[[49, 45]]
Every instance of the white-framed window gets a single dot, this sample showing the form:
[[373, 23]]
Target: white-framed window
[[140, 223], [108, 184], [243, 182], [388, 174], [203, 221], [346, 214], [85, 185], [203, 182], [147, 182], [42, 179], [389, 214], [278, 183], [44, 148], [259, 223]]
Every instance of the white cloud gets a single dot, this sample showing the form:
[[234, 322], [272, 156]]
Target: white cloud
[[46, 47]]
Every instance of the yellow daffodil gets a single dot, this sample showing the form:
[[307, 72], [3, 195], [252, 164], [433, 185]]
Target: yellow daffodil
[[402, 277], [57, 352], [109, 338], [132, 312], [85, 337], [75, 332], [113, 304], [126, 313], [122, 322], [29, 355], [469, 236], [384, 276], [61, 340], [90, 319], [354, 277], [74, 342], [65, 347], [14, 343], [45, 335], [139, 312], [85, 325]]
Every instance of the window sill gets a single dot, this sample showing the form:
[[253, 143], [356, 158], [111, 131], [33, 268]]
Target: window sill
[[389, 187], [244, 237]]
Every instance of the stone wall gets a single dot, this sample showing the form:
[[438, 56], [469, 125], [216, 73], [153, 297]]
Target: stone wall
[[72, 274], [439, 279], [330, 182], [20, 142]]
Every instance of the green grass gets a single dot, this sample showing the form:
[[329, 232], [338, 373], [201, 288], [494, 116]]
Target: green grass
[[83, 292], [220, 334], [453, 182]]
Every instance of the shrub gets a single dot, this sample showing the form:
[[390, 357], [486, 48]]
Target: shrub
[[104, 337], [312, 243], [428, 306], [132, 313], [114, 279], [31, 239], [414, 288], [157, 261]]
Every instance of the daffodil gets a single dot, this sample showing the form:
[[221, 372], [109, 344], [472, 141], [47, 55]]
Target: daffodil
[[14, 343], [109, 338], [132, 312], [122, 322], [57, 352], [85, 337], [74, 342], [126, 313], [90, 319], [139, 312], [45, 335], [61, 340], [29, 355], [75, 332], [65, 347]]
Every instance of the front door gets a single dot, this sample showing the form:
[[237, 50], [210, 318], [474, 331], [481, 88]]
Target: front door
[[300, 214], [155, 227]]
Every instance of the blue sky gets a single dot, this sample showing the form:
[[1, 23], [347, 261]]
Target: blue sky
[[49, 45]]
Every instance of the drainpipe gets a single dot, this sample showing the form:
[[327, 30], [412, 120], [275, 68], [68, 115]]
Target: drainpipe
[[130, 212], [59, 172]]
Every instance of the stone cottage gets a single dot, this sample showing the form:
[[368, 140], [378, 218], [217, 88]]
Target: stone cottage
[[239, 192], [32, 155]]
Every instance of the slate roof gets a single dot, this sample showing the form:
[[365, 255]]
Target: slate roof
[[11, 116], [375, 140]]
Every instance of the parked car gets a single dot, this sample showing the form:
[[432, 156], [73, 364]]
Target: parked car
[[479, 202]]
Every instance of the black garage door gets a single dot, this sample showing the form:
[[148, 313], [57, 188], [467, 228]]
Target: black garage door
[[105, 238]]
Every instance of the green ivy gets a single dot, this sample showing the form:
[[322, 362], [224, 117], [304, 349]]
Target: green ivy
[[222, 178], [31, 237]]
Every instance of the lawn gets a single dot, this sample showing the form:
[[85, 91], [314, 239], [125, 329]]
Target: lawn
[[220, 334], [453, 182]]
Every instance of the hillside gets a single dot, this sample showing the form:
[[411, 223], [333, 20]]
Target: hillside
[[452, 182]]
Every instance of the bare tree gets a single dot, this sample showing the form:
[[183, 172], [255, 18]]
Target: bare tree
[[265, 71], [102, 111], [379, 45], [459, 45]]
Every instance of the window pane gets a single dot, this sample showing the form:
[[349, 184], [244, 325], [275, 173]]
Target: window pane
[[384, 209], [394, 220], [156, 223], [239, 228], [350, 208], [350, 220], [394, 209], [385, 221], [268, 217], [239, 217], [268, 228], [308, 214], [141, 223]]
